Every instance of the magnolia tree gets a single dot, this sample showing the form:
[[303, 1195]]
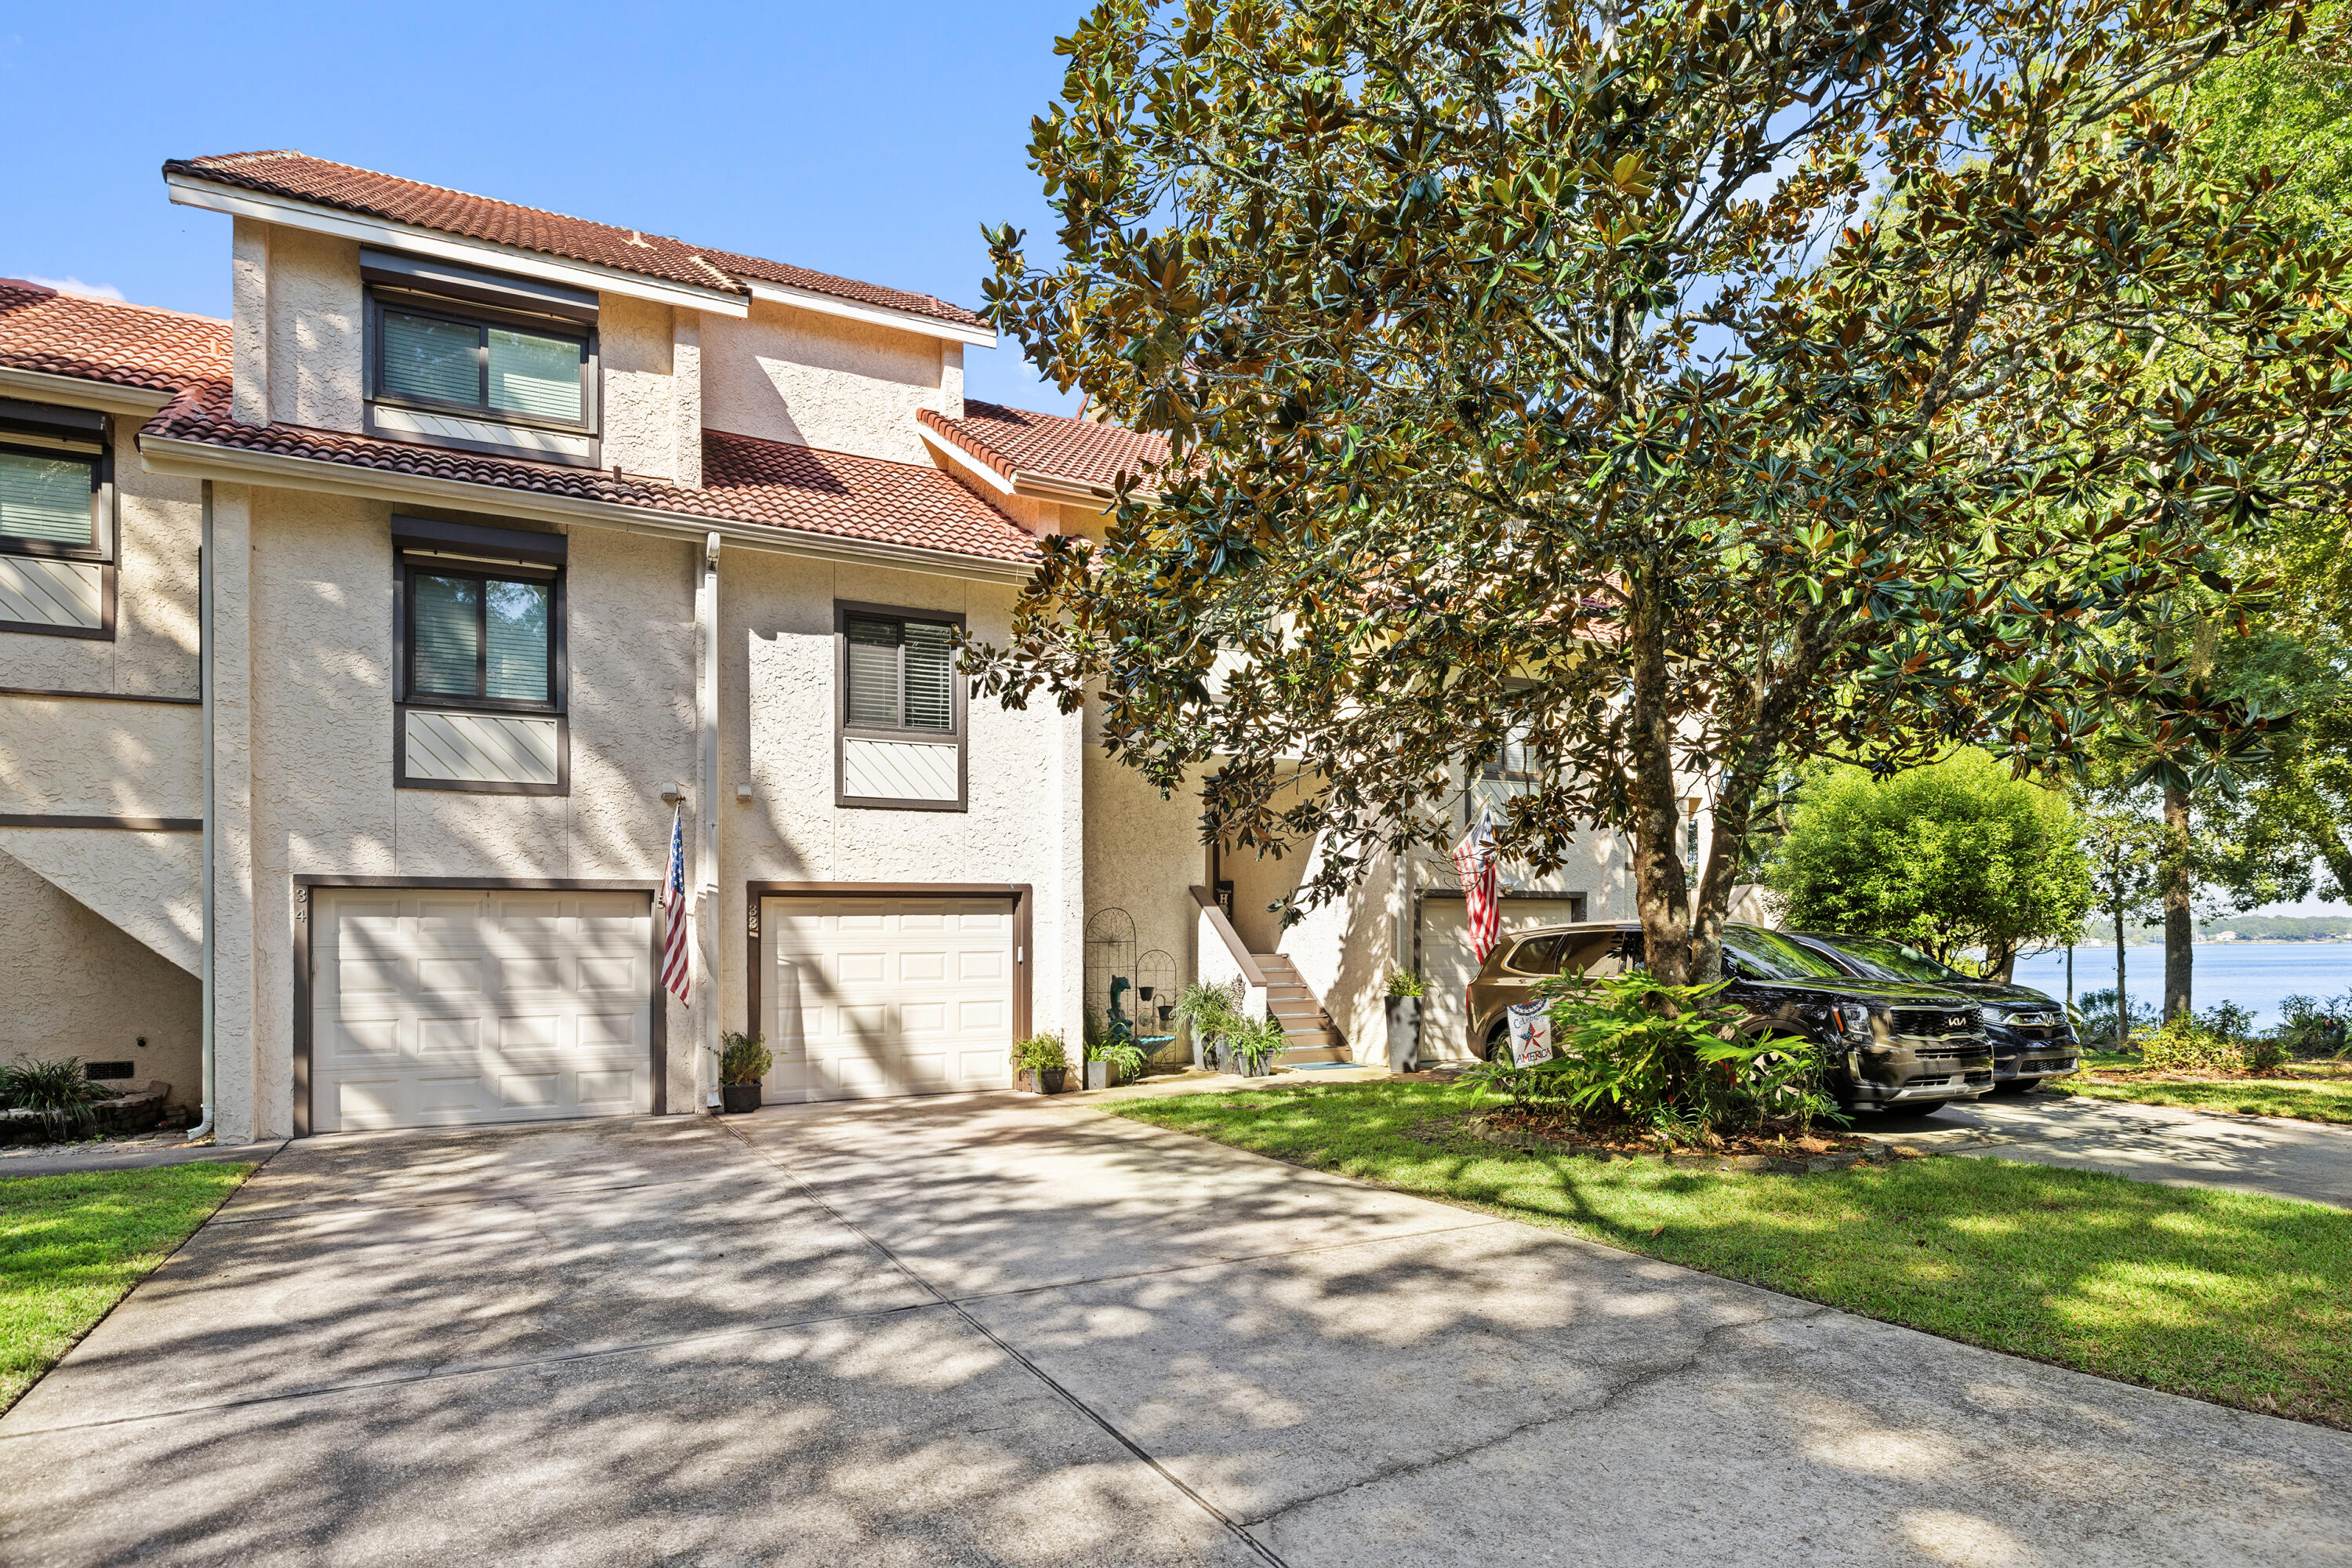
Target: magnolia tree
[[1684, 391]]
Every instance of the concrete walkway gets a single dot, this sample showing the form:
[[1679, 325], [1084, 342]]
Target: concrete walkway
[[993, 1331], [2282, 1158]]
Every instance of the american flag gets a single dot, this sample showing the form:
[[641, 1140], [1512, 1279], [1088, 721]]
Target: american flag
[[1474, 863], [678, 970]]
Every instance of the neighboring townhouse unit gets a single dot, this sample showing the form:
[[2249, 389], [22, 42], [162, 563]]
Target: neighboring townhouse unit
[[357, 653]]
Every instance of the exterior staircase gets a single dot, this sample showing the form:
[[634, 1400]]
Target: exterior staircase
[[1307, 1028]]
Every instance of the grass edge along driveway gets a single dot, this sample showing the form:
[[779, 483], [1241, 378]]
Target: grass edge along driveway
[[2312, 1091], [73, 1246], [2225, 1297]]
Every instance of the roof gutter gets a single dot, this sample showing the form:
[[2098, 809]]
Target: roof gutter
[[201, 459], [1025, 481], [44, 387], [189, 191]]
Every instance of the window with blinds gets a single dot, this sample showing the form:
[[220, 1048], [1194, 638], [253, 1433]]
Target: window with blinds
[[900, 674], [480, 366], [44, 498], [475, 637]]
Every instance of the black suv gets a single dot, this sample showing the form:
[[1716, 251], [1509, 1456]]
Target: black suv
[[2031, 1037], [1884, 1042]]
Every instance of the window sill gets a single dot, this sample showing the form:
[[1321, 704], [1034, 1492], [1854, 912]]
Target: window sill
[[464, 433]]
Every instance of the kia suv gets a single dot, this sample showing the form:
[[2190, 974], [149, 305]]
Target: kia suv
[[2031, 1039], [1886, 1043]]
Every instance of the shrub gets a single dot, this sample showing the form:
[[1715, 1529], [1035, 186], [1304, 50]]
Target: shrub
[[2316, 1028], [1041, 1053], [1404, 983], [1254, 1045], [59, 1090], [2095, 1018], [743, 1059], [2216, 1040], [1662, 1060]]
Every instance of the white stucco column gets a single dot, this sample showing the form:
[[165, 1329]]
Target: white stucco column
[[952, 380], [249, 323], [685, 398], [237, 1077], [707, 993]]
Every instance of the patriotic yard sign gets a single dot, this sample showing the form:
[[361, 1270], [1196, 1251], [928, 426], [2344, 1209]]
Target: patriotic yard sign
[[1474, 863], [1530, 1033], [678, 970]]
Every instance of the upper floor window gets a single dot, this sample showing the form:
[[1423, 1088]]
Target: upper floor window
[[461, 357], [56, 532], [481, 665], [900, 740], [448, 361]]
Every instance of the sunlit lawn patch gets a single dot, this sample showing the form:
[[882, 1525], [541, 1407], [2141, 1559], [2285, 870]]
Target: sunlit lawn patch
[[2244, 1300], [71, 1246], [2309, 1091]]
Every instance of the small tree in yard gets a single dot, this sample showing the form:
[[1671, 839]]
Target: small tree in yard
[[1690, 388], [1950, 859]]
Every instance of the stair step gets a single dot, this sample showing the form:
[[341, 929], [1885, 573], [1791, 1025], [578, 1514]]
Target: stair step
[[1292, 1056]]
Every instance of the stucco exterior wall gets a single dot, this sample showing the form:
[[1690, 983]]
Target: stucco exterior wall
[[777, 698], [84, 757], [316, 330], [76, 985], [158, 524], [788, 375], [147, 883], [634, 344], [1144, 855], [1344, 949]]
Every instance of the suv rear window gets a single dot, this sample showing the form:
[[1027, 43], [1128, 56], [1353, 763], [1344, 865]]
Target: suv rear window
[[1537, 955]]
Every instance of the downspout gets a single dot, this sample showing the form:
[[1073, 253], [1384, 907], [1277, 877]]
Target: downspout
[[204, 1129], [708, 806]]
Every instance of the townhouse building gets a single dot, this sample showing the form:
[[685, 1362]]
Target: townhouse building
[[360, 653]]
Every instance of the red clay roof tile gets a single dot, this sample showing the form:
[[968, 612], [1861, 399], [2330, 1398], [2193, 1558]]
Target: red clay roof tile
[[107, 339], [298, 176], [770, 484], [1050, 445]]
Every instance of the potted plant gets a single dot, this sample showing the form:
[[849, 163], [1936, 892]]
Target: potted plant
[[1251, 1048], [1213, 1014], [1113, 1062], [1043, 1062], [1405, 992], [743, 1061]]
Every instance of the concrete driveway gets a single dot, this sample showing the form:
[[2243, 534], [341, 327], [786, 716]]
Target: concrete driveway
[[993, 1331], [2285, 1159]]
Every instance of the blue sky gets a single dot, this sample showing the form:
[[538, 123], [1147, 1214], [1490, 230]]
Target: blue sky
[[868, 141]]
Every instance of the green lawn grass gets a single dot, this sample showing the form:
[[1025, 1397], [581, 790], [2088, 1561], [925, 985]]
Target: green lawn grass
[[71, 1246], [2243, 1300], [2312, 1091]]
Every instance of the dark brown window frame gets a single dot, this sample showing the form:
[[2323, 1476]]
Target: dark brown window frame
[[105, 523], [467, 312], [454, 556], [843, 731]]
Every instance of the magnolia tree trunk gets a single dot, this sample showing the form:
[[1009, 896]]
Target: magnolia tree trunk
[[2179, 926]]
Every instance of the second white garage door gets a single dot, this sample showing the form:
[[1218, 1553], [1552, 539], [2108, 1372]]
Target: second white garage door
[[872, 996], [436, 1008], [1447, 968]]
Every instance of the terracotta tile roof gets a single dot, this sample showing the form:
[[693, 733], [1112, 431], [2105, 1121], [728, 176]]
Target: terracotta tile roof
[[105, 340], [297, 176], [769, 484], [1015, 441]]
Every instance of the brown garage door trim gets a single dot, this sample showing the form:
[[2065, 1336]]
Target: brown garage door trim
[[658, 1023], [1021, 893]]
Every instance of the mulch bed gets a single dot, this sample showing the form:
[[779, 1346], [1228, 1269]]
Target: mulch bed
[[1538, 1131]]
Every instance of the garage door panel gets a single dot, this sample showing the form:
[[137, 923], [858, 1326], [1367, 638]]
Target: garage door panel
[[440, 1009], [885, 996]]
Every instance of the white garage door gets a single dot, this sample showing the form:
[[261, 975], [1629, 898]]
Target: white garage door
[[436, 1008], [1447, 968], [876, 996]]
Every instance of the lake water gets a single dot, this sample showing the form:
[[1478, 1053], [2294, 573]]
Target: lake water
[[2254, 974]]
